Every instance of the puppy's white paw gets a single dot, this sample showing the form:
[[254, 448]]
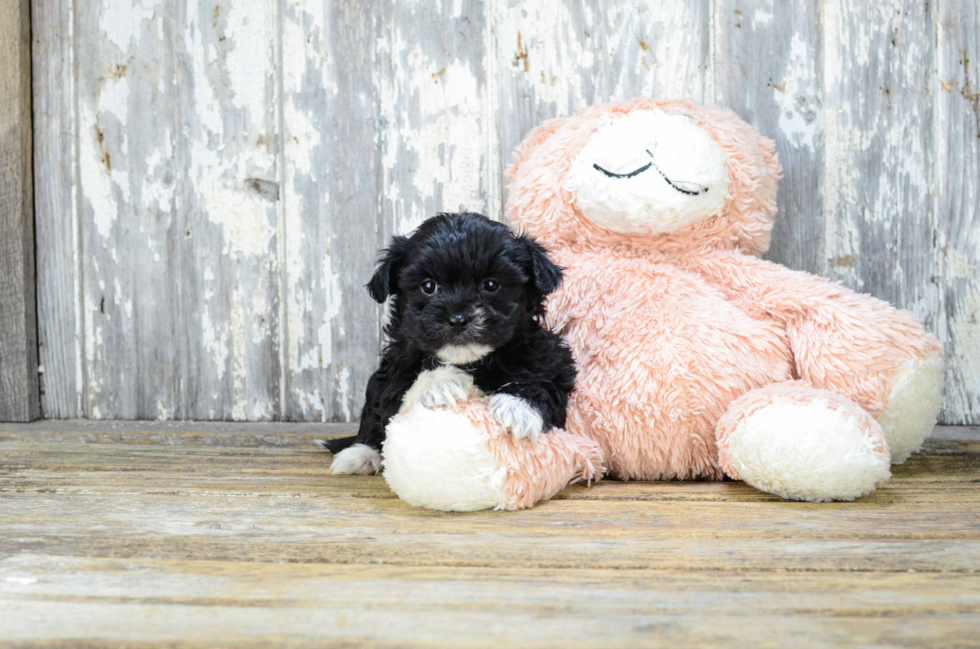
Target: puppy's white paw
[[359, 459], [517, 415], [439, 388]]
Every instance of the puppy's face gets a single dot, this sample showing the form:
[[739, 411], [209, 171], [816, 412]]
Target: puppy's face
[[464, 285]]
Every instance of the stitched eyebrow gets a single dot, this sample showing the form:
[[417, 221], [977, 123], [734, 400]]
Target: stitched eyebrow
[[627, 175]]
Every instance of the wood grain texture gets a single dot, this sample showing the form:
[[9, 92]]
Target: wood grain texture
[[769, 71], [878, 180], [127, 113], [215, 541], [330, 205], [216, 178], [227, 221], [19, 392], [436, 130], [56, 231], [959, 205], [202, 603]]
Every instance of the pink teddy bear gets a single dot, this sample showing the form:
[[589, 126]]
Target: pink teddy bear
[[696, 358]]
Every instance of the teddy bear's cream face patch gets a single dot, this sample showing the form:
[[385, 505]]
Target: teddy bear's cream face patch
[[648, 173]]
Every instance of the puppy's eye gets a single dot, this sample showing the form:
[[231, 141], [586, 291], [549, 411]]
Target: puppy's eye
[[429, 287], [491, 285]]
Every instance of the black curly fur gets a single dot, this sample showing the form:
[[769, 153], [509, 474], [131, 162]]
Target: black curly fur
[[460, 252]]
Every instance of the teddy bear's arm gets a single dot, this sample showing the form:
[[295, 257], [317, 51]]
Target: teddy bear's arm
[[841, 340], [584, 298]]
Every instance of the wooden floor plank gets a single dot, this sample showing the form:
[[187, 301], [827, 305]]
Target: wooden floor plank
[[217, 536], [179, 600]]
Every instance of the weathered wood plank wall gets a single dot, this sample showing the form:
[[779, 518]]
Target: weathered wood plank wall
[[19, 395], [215, 177], [958, 205]]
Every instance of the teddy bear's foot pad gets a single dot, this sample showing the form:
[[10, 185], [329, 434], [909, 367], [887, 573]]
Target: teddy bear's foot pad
[[913, 406], [439, 460], [803, 444]]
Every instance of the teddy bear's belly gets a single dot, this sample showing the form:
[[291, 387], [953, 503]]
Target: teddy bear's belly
[[658, 371]]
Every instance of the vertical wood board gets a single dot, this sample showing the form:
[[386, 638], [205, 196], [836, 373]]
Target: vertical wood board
[[959, 206], [436, 130], [228, 216], [126, 115], [55, 183], [769, 70], [879, 176], [19, 395], [331, 206]]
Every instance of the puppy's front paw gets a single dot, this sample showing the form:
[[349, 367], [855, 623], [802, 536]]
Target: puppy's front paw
[[517, 415], [439, 388], [359, 459]]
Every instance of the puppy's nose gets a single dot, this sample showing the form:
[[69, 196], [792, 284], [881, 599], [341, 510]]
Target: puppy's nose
[[459, 320]]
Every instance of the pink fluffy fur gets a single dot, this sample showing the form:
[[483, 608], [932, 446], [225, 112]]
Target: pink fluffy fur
[[669, 330], [537, 470]]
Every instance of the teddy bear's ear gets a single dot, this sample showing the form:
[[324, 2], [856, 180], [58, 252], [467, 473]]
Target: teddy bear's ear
[[382, 283], [770, 157], [537, 135]]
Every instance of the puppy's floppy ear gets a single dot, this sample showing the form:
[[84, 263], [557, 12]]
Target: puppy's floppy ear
[[383, 283], [545, 276]]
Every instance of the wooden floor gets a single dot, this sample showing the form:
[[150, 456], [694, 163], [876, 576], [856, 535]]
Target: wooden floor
[[127, 535]]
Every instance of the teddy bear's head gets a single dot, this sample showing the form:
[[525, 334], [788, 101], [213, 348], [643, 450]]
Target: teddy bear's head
[[665, 175]]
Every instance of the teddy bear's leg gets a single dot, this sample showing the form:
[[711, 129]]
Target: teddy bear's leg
[[440, 459], [855, 345], [461, 459], [802, 443], [912, 406]]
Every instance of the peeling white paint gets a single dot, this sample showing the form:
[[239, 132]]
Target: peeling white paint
[[434, 155], [96, 179], [215, 342], [799, 110], [236, 328], [762, 17], [842, 235], [251, 31], [93, 348], [548, 54], [448, 146], [964, 330], [343, 392], [123, 22], [165, 412]]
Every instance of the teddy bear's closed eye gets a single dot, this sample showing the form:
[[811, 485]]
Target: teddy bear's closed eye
[[683, 186]]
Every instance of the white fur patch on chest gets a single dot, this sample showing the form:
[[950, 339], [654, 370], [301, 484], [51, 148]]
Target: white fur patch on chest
[[648, 173], [463, 354]]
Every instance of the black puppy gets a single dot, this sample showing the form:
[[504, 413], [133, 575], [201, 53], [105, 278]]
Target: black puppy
[[467, 297]]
